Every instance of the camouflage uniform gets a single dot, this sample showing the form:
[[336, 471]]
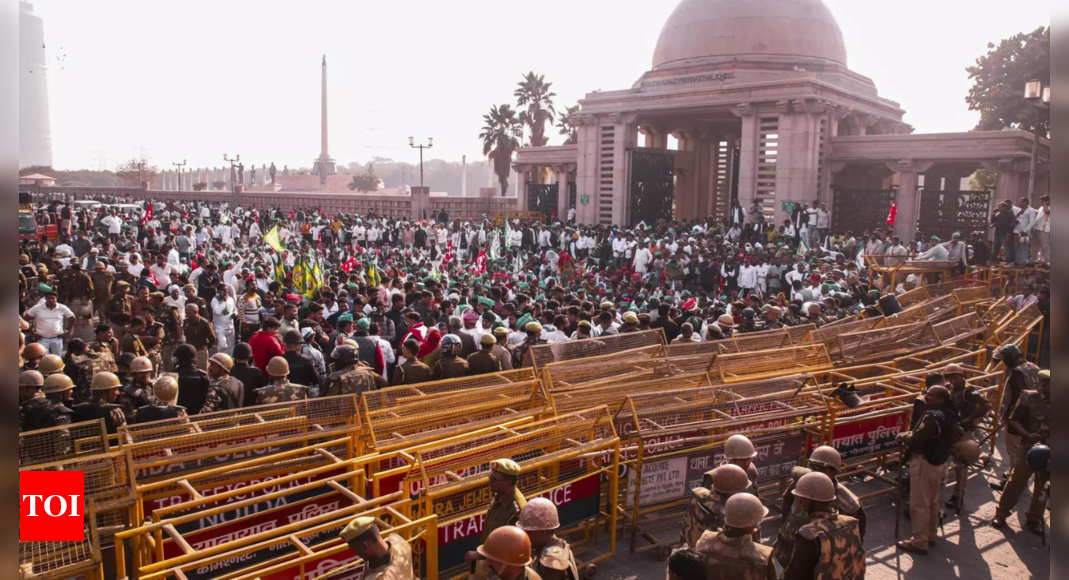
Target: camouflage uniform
[[705, 513], [132, 343], [396, 565], [134, 396], [829, 547], [112, 414], [846, 503], [1033, 413], [167, 316], [280, 392], [555, 561], [119, 305], [154, 413], [735, 558], [40, 413], [353, 381], [224, 394]]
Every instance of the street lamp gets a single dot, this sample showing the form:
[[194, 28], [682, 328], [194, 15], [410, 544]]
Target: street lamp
[[233, 178], [179, 166], [429, 145], [1039, 97]]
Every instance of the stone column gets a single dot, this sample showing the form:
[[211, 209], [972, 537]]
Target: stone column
[[626, 139], [798, 159], [908, 197], [522, 175], [563, 205], [464, 177], [687, 177], [586, 178], [748, 154], [1013, 175]]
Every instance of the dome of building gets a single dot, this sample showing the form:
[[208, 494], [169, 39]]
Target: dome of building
[[712, 30]]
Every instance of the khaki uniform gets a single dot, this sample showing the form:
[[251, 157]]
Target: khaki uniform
[[735, 558], [412, 372], [167, 316], [103, 284], [282, 392], [967, 401], [453, 369], [504, 356], [705, 513], [483, 363], [829, 547], [200, 335], [503, 512], [353, 381], [397, 565], [1027, 375], [1033, 413], [845, 502], [555, 561], [132, 343]]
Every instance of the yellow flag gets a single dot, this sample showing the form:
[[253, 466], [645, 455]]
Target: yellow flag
[[273, 240]]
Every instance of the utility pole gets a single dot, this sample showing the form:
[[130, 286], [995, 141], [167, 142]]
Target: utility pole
[[179, 166], [429, 145]]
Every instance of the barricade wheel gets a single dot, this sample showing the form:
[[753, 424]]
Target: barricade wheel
[[589, 572], [664, 553]]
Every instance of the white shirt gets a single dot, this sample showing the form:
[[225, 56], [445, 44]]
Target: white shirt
[[221, 320], [619, 246], [180, 304], [748, 277], [938, 253], [163, 274], [762, 277], [114, 224], [1024, 221], [49, 323], [1041, 223], [643, 258]]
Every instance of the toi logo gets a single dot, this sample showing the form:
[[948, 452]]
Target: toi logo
[[51, 506]]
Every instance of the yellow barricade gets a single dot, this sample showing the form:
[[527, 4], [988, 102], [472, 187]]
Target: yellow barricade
[[914, 297], [755, 366], [884, 344], [613, 395], [767, 340], [62, 443], [541, 355], [64, 560], [373, 402], [960, 331], [969, 298], [594, 371]]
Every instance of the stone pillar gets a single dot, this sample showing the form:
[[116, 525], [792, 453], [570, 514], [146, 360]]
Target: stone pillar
[[626, 139], [798, 159], [586, 178], [908, 197], [464, 176], [522, 175], [421, 202], [748, 154], [1013, 175], [687, 177], [563, 201]]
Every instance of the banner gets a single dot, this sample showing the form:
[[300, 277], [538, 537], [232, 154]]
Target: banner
[[272, 239], [878, 435]]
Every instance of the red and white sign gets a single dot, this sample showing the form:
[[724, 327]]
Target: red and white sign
[[51, 506]]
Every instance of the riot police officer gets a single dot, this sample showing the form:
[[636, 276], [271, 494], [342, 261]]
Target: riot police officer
[[504, 510], [302, 370], [54, 410], [450, 365], [225, 392], [106, 387], [553, 558], [705, 512], [829, 546], [138, 393], [193, 383], [349, 377], [739, 450], [30, 396], [385, 559], [165, 391], [732, 554], [1021, 376], [279, 390], [972, 408], [1031, 422]]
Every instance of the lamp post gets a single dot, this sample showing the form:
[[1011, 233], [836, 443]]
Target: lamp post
[[429, 145], [179, 166], [1039, 97], [233, 178]]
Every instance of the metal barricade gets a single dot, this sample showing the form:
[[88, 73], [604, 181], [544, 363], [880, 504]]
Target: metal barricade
[[373, 402], [960, 331], [886, 343], [64, 560], [541, 355], [766, 340], [754, 366], [613, 395], [62, 443], [629, 366], [829, 335]]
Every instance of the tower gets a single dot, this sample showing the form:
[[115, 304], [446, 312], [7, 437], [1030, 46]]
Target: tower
[[464, 177], [324, 166], [35, 125]]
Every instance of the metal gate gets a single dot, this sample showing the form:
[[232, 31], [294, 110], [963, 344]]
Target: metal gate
[[861, 210], [652, 192], [544, 199], [573, 192], [944, 213]]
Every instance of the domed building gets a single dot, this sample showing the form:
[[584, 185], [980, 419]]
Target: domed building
[[764, 108]]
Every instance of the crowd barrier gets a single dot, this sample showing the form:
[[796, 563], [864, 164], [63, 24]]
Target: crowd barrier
[[64, 560], [62, 443], [541, 355]]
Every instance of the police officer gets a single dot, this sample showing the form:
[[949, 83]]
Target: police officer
[[245, 371], [302, 370], [350, 377], [553, 558], [972, 408], [739, 450], [36, 410], [705, 512], [138, 393], [732, 554], [450, 365], [165, 390], [51, 365], [226, 392], [534, 338], [193, 383], [1021, 376], [384, 559], [1031, 422], [412, 371], [106, 388], [32, 355], [484, 362], [829, 547], [930, 443], [507, 552], [504, 510], [824, 460], [500, 350], [279, 390]]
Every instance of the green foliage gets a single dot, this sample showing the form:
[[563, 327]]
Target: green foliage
[[984, 180], [999, 78], [534, 99], [364, 183], [500, 136], [567, 128], [200, 186], [218, 185], [133, 171]]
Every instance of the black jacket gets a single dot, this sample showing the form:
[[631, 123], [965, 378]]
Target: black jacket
[[302, 371], [193, 385], [252, 378]]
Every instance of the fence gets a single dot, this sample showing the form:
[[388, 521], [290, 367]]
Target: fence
[[613, 395], [886, 343], [753, 366], [63, 560], [628, 366], [62, 443], [767, 340], [544, 354], [373, 402]]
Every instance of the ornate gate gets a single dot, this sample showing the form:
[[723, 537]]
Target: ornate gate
[[652, 191], [544, 199], [944, 213], [861, 210]]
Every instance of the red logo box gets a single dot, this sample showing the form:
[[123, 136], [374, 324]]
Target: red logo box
[[52, 506]]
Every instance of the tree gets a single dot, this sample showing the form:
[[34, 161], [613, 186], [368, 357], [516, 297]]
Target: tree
[[566, 127], [200, 186], [535, 102], [365, 183], [501, 132], [999, 78], [134, 171]]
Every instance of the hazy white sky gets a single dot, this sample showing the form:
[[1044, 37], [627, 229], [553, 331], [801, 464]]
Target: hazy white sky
[[194, 79]]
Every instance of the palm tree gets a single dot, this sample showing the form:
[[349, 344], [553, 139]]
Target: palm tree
[[567, 128], [501, 132], [535, 101]]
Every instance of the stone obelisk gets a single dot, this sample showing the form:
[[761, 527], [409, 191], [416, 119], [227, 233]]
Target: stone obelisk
[[324, 166]]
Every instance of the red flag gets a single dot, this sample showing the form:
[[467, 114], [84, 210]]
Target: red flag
[[292, 215], [480, 263], [350, 264], [893, 216], [449, 253], [148, 215]]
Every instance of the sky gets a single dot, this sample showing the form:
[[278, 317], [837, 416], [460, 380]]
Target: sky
[[192, 80]]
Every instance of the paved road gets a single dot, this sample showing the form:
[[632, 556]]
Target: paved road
[[968, 547]]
